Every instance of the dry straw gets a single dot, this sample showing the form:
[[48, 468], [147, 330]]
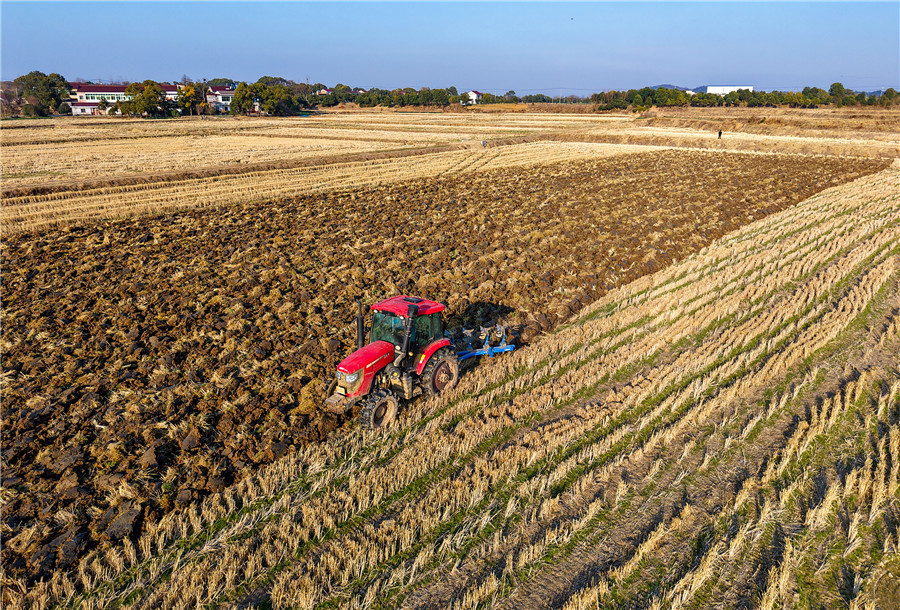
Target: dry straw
[[519, 465]]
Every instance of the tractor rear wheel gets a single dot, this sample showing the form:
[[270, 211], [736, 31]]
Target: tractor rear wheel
[[379, 408], [441, 373]]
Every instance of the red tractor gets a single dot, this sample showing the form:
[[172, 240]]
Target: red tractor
[[407, 355]]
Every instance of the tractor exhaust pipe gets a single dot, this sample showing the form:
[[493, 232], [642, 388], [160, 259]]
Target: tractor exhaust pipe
[[411, 313], [360, 325]]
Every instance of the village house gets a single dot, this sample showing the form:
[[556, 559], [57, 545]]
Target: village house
[[474, 97], [85, 98], [219, 98]]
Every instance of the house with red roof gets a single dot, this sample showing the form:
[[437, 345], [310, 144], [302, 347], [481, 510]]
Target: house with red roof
[[474, 97], [85, 98], [219, 97]]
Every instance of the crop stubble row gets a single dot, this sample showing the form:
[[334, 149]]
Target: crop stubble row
[[663, 408], [441, 438], [297, 594], [671, 405], [166, 371]]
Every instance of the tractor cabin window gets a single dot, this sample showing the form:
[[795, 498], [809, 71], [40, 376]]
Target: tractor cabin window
[[387, 327], [425, 330]]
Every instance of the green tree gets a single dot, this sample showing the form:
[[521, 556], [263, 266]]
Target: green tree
[[103, 105], [221, 82], [705, 100], [261, 93], [64, 108], [278, 101], [302, 91], [439, 97], [537, 98], [188, 98], [670, 97], [836, 90], [148, 98], [818, 95], [273, 81], [43, 92], [242, 101]]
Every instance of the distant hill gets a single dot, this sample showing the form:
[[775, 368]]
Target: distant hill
[[671, 87]]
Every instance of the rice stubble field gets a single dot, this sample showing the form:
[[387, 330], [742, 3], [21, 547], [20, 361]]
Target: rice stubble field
[[699, 324]]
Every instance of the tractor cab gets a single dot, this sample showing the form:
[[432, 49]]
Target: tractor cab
[[389, 322], [406, 355]]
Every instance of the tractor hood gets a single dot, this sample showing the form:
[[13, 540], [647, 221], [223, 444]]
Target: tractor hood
[[372, 356]]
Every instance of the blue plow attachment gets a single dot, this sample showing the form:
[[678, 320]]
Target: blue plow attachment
[[467, 351]]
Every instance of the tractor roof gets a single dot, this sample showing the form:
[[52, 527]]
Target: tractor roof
[[400, 305]]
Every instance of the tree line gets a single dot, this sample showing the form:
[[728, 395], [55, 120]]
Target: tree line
[[38, 94], [809, 97]]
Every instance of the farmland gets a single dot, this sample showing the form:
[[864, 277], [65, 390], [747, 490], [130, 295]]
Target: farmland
[[76, 171], [709, 333]]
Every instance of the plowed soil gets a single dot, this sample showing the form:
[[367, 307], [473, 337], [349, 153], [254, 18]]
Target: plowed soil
[[152, 361]]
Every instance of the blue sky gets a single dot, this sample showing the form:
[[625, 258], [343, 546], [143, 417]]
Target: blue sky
[[554, 48]]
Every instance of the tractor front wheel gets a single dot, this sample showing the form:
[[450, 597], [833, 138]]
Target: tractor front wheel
[[379, 408], [441, 373]]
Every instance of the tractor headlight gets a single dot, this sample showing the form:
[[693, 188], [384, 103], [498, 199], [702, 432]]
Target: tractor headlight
[[350, 381]]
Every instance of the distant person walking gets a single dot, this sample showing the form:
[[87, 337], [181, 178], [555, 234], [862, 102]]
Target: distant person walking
[[720, 134]]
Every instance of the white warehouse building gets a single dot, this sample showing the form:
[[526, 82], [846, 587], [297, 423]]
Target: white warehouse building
[[726, 89], [85, 99]]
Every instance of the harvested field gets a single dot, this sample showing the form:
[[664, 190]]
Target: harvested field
[[67, 152], [683, 137], [150, 362], [36, 212], [104, 158], [843, 123], [722, 430], [77, 153], [837, 132]]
